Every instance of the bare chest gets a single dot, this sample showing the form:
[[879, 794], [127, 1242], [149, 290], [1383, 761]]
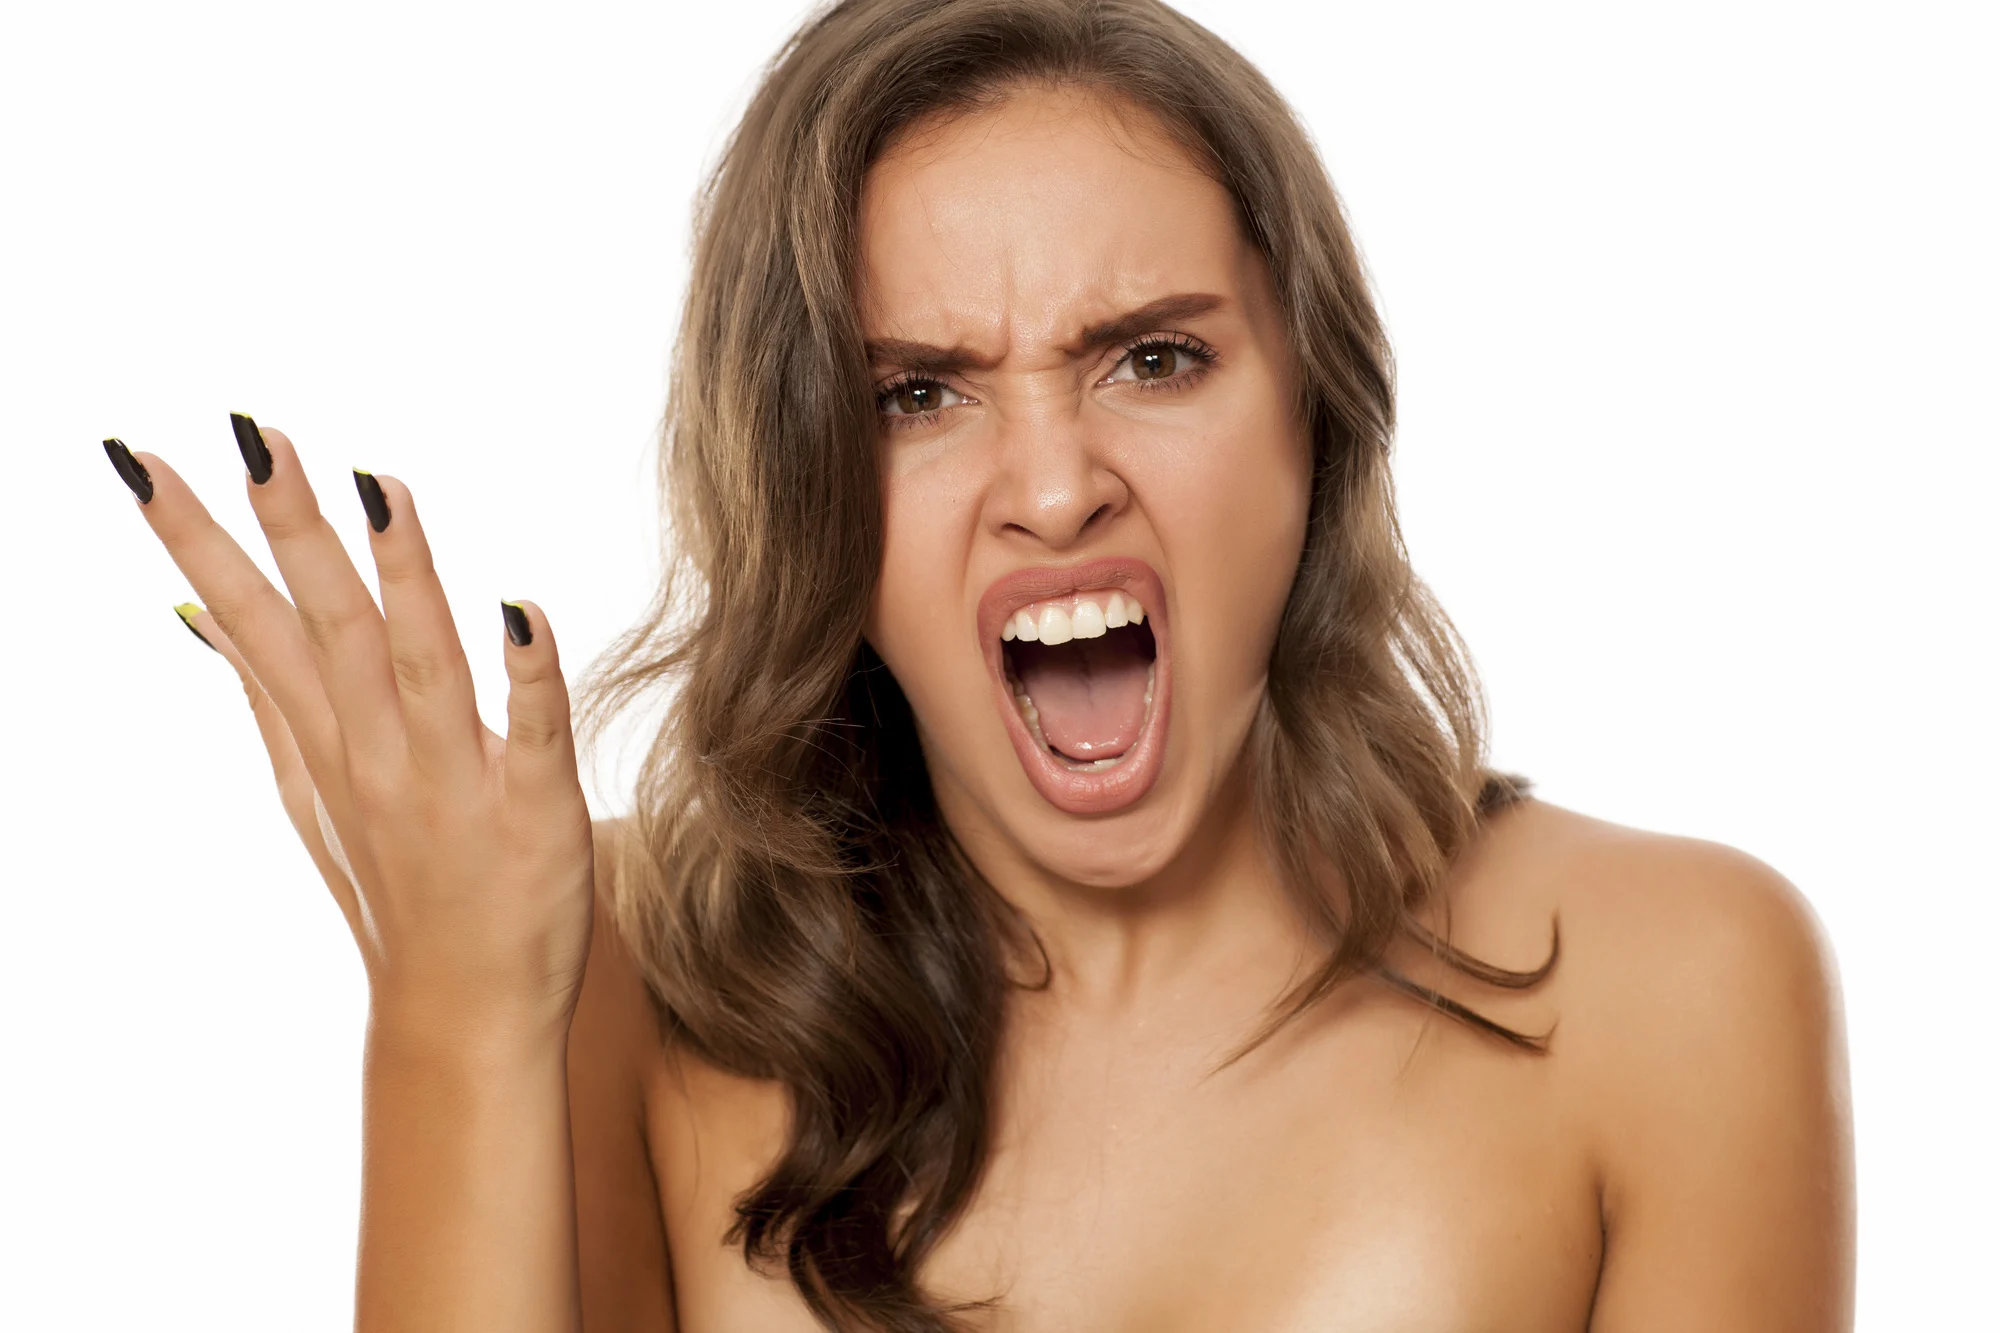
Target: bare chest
[[1374, 1181]]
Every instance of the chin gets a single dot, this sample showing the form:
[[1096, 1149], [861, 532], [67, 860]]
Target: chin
[[1114, 853], [1130, 846]]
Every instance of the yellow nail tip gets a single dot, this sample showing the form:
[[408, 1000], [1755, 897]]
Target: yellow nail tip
[[187, 612], [364, 472]]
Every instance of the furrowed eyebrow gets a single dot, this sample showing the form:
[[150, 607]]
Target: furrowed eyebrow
[[922, 358], [1147, 319], [930, 359]]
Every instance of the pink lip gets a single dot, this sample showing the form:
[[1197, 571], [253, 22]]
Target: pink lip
[[1108, 790]]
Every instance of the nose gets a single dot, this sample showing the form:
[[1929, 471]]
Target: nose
[[1052, 487]]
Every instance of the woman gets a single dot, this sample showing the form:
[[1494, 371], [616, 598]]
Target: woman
[[1068, 893]]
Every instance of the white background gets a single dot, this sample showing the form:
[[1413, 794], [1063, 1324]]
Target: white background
[[1695, 309]]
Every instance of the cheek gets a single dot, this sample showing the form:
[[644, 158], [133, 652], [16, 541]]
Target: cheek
[[1231, 514], [915, 618]]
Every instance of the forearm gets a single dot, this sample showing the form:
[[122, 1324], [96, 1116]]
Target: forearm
[[468, 1217], [463, 864]]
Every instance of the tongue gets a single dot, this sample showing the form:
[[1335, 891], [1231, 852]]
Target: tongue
[[1090, 694]]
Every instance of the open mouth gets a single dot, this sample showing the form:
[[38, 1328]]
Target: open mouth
[[1081, 670], [1080, 663]]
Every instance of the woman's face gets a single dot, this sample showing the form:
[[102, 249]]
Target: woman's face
[[1085, 389]]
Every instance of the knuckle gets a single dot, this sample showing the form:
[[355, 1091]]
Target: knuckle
[[234, 612], [376, 788], [368, 795], [324, 628], [534, 733], [406, 568], [532, 670], [418, 674], [320, 628], [372, 802], [287, 523]]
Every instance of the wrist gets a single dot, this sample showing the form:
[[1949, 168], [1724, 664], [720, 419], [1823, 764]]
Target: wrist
[[461, 1038]]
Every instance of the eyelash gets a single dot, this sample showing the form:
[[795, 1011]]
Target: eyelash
[[1203, 354]]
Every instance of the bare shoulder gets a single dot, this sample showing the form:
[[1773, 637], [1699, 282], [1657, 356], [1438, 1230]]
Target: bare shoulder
[[1672, 934], [1699, 1040], [1672, 938], [1679, 909], [1675, 952]]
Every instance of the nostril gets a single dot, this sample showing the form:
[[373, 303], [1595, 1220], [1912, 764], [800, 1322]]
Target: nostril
[[1053, 522]]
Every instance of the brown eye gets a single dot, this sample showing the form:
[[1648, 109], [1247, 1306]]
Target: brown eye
[[1164, 362], [916, 398], [1155, 362]]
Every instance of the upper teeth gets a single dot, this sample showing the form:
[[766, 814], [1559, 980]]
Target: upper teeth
[[1086, 617]]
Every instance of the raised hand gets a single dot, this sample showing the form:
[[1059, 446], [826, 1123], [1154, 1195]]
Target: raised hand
[[461, 861]]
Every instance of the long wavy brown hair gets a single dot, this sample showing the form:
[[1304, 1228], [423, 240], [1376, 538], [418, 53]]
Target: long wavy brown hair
[[797, 906]]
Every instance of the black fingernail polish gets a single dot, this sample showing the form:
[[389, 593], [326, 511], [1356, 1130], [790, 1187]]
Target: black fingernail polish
[[517, 624], [131, 469], [372, 499], [250, 443]]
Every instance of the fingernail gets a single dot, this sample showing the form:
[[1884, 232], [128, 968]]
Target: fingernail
[[187, 612], [372, 499], [250, 443], [131, 469], [517, 624]]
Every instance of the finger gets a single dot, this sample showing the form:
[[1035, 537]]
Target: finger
[[426, 656], [252, 615], [288, 766], [541, 754], [295, 787], [343, 631]]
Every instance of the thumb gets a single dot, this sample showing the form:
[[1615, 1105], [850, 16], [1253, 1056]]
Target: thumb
[[541, 752]]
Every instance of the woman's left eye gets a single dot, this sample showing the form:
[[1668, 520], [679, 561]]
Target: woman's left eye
[[1159, 361]]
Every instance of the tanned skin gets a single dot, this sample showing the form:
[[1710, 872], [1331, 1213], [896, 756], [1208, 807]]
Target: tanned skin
[[1679, 1159]]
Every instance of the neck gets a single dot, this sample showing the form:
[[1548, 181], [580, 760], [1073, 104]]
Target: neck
[[1217, 915]]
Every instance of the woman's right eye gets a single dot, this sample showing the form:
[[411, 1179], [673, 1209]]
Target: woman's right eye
[[916, 397]]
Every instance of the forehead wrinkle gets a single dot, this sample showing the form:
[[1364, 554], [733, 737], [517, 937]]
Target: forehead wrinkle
[[993, 320], [961, 236], [935, 317]]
